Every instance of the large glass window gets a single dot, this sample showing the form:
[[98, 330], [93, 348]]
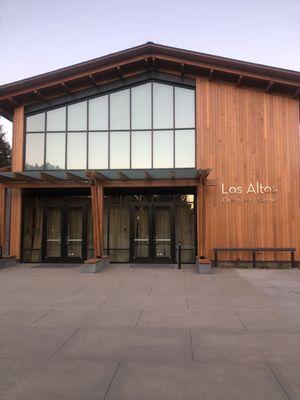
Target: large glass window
[[35, 150], [76, 150], [119, 150], [151, 125], [55, 150]]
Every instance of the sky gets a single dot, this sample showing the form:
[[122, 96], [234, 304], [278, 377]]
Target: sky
[[38, 36]]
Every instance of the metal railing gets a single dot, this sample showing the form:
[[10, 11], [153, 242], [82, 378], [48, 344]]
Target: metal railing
[[254, 250]]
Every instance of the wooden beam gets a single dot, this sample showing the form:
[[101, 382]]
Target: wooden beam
[[120, 71], [92, 78], [13, 101], [211, 72], [22, 177], [6, 179], [50, 178], [40, 95], [18, 139], [148, 177], [182, 68], [100, 177], [296, 93], [73, 177], [239, 81], [65, 87], [269, 86], [123, 177]]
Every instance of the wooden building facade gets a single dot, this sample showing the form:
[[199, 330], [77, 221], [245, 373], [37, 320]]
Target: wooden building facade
[[131, 153]]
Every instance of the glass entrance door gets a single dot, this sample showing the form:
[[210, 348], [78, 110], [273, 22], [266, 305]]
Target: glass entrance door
[[152, 233], [63, 240]]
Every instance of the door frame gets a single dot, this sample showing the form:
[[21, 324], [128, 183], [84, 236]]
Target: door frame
[[152, 233], [64, 231]]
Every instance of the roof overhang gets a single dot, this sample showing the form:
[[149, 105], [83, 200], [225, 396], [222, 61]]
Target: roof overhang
[[140, 59], [105, 177]]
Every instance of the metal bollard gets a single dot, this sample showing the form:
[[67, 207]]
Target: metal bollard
[[179, 255]]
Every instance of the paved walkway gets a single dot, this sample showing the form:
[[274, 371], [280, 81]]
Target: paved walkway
[[149, 334]]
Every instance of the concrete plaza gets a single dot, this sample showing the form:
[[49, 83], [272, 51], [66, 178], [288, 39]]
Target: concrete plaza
[[149, 334]]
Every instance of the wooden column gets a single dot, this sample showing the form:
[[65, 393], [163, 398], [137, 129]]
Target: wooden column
[[201, 219], [97, 210], [15, 223], [2, 216], [16, 198]]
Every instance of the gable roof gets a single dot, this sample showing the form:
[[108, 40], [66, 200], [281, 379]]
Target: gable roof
[[142, 58]]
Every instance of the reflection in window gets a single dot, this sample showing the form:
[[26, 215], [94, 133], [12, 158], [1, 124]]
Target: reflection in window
[[56, 119], [35, 123], [141, 107], [98, 150], [35, 150], [55, 150], [119, 110], [163, 149], [149, 125], [98, 114], [77, 116], [162, 106], [76, 159], [119, 150], [184, 148], [141, 149], [184, 108]]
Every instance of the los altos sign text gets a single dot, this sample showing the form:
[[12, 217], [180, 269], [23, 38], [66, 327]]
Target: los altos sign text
[[236, 194]]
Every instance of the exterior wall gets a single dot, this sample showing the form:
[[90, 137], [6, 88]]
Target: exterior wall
[[247, 136]]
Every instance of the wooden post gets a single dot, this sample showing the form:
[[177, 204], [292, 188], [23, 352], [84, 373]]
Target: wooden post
[[2, 216], [15, 223], [16, 198], [97, 210], [18, 140]]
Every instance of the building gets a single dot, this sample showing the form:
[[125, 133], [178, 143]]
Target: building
[[130, 153]]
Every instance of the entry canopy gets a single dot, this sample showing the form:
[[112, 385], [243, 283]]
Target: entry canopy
[[104, 175]]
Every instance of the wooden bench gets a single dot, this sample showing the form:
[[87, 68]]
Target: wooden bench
[[254, 250]]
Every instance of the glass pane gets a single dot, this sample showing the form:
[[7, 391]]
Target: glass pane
[[77, 116], [35, 123], [76, 155], [56, 119], [55, 150], [185, 226], [162, 106], [98, 150], [32, 233], [119, 256], [141, 149], [119, 225], [141, 107], [163, 149], [184, 108], [98, 113], [119, 150], [119, 110], [35, 150], [74, 238], [162, 231], [184, 149], [53, 239], [141, 232]]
